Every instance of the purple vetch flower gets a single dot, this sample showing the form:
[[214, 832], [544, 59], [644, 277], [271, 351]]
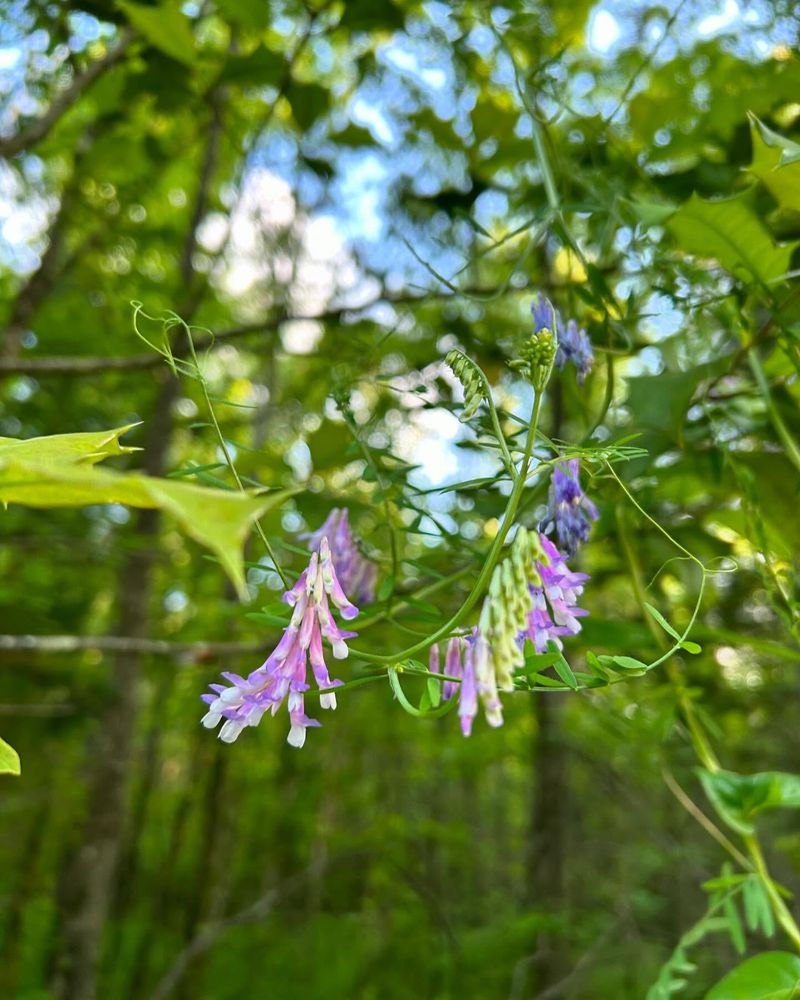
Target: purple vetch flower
[[283, 675], [468, 695], [486, 681], [555, 610], [574, 345], [545, 315], [453, 667], [357, 575], [569, 509], [468, 660], [460, 664]]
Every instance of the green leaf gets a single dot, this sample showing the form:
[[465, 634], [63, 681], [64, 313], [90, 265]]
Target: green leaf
[[624, 663], [650, 213], [691, 647], [366, 15], [776, 163], [259, 68], [773, 975], [308, 101], [9, 759], [730, 231], [218, 519], [89, 447], [656, 615], [735, 928], [739, 798], [164, 27], [248, 13], [564, 671]]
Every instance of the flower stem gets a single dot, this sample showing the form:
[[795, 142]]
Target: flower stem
[[491, 559]]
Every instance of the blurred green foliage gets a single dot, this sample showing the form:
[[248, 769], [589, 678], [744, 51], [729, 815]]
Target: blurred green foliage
[[335, 195]]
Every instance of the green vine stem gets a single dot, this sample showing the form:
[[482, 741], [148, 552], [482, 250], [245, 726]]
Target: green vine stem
[[699, 740], [491, 559]]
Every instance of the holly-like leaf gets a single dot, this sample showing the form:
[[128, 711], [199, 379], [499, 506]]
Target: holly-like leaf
[[730, 231], [9, 759], [773, 975], [776, 163], [218, 519], [89, 447]]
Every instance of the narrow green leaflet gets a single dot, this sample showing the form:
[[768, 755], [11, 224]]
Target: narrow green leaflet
[[656, 615], [218, 519], [730, 231], [739, 798], [776, 163], [88, 447], [9, 759], [773, 975]]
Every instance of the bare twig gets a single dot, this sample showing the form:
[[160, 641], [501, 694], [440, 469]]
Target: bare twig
[[255, 912], [711, 828], [123, 644], [94, 365], [38, 129]]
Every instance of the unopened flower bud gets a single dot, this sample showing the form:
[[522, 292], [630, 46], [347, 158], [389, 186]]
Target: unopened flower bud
[[471, 378]]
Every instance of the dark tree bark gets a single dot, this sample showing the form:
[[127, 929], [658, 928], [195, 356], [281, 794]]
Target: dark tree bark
[[549, 808], [88, 887]]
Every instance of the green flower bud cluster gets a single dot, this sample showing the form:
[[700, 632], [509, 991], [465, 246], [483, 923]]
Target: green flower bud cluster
[[505, 609], [536, 357], [471, 378]]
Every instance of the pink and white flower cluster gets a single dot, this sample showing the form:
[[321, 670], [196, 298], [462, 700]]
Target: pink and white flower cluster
[[283, 675]]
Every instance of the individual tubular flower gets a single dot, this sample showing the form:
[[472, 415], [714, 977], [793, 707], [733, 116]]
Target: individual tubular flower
[[356, 574], [569, 509], [283, 675], [545, 316], [574, 345], [555, 610], [468, 689], [453, 666]]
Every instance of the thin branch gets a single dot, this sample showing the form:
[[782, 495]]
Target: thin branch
[[123, 644], [38, 129], [256, 912], [95, 365]]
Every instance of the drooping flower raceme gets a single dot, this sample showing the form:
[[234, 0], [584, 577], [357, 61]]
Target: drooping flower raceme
[[570, 511], [356, 574], [532, 595], [555, 611], [283, 676]]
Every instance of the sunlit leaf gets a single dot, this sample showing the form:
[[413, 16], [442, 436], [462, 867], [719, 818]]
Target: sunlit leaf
[[773, 975], [730, 231], [9, 759]]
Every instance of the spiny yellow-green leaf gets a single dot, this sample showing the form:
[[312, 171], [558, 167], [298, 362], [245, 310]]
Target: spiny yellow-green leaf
[[776, 163], [218, 519], [90, 447], [9, 759], [730, 231]]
